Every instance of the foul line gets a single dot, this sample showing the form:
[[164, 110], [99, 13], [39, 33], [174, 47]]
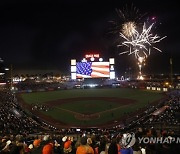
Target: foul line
[[92, 113]]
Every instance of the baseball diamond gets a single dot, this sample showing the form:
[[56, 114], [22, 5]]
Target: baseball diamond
[[88, 107]]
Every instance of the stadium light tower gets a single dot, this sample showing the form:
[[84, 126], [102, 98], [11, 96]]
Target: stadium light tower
[[171, 73]]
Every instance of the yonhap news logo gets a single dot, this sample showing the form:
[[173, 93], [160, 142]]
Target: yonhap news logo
[[159, 140], [129, 139]]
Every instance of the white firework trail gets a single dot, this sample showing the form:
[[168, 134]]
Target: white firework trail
[[140, 44]]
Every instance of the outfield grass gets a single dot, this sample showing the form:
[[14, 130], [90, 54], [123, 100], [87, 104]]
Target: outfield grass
[[143, 97]]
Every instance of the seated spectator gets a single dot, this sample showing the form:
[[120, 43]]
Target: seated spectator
[[48, 148], [113, 148], [84, 148]]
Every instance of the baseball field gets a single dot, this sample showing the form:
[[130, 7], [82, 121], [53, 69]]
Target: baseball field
[[88, 107]]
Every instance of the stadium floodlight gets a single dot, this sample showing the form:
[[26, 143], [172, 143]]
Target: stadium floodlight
[[84, 60], [92, 59], [112, 68], [100, 59]]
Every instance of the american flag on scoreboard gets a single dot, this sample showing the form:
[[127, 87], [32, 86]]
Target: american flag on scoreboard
[[92, 69]]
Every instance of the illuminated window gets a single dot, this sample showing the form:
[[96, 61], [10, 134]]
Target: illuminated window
[[73, 76], [111, 60], [73, 68], [112, 75], [73, 61]]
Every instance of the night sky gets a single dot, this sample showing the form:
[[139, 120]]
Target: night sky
[[47, 34]]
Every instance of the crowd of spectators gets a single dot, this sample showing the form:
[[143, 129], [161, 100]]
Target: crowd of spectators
[[168, 117], [12, 118], [19, 132], [41, 107], [38, 86], [95, 143]]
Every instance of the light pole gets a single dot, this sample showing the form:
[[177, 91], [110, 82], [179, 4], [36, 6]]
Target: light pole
[[171, 73]]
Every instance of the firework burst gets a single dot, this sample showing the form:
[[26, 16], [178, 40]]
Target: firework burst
[[140, 44], [129, 18], [129, 29], [136, 36]]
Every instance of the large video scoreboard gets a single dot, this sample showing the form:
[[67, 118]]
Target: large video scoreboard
[[92, 67]]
